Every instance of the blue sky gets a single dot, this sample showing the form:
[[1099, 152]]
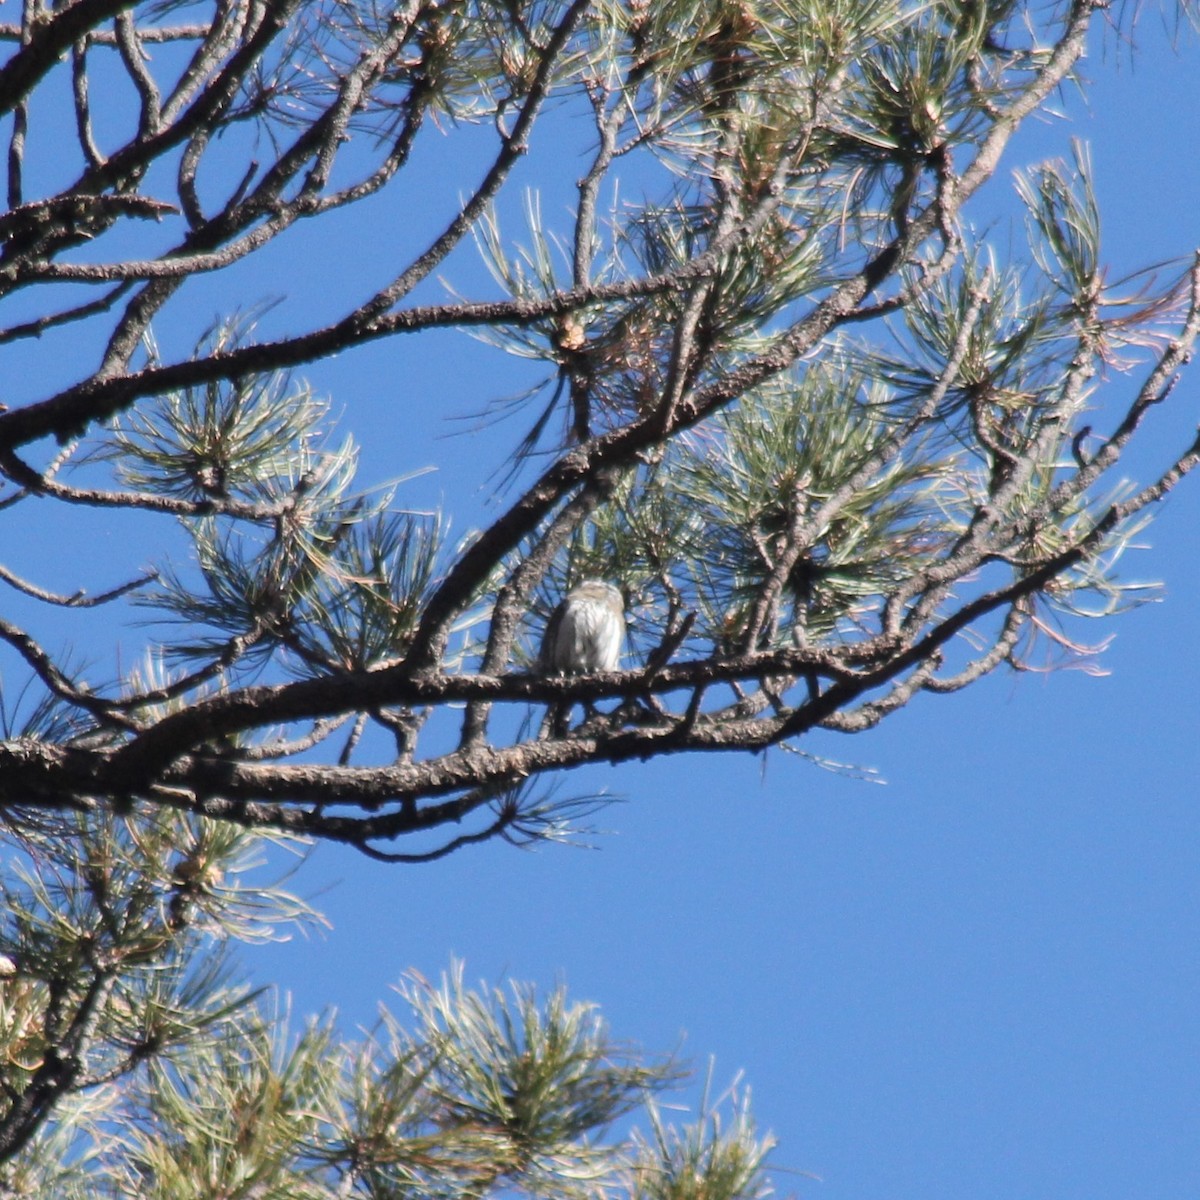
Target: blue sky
[[977, 979]]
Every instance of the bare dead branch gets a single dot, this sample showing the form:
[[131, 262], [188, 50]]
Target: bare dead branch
[[79, 599]]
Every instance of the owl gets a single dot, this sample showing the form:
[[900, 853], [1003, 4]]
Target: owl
[[585, 632]]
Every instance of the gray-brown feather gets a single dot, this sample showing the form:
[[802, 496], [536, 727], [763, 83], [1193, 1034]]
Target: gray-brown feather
[[586, 631]]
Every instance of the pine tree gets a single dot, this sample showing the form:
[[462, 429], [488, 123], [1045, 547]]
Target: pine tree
[[837, 443]]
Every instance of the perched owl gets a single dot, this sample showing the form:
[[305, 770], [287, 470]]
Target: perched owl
[[585, 632]]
